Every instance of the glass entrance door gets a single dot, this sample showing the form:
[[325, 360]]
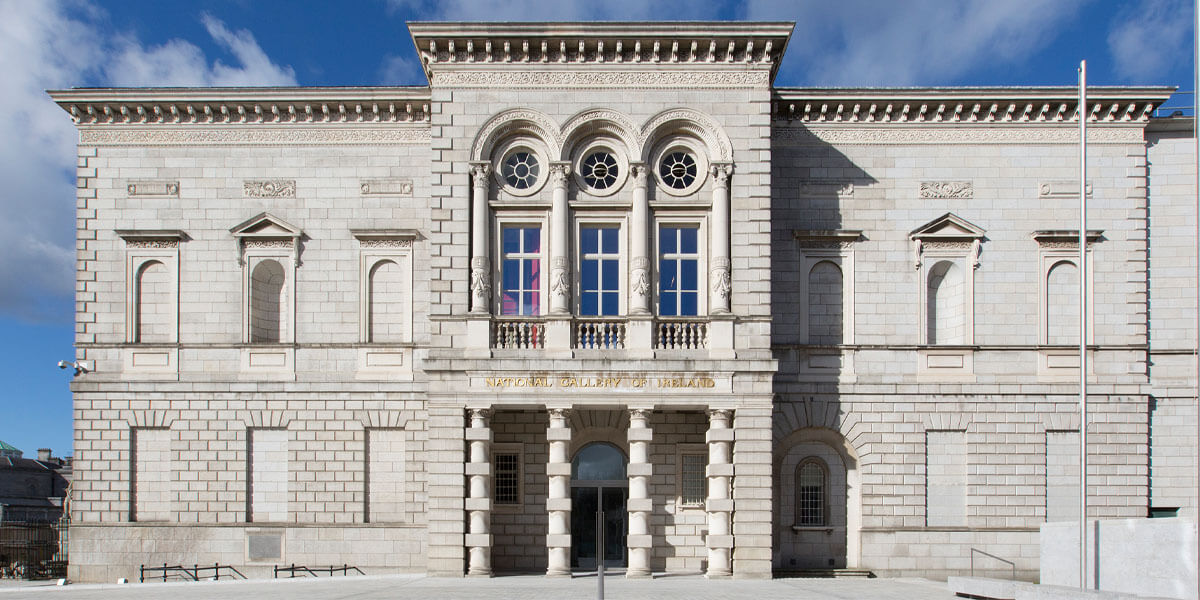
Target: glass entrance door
[[585, 502], [598, 483]]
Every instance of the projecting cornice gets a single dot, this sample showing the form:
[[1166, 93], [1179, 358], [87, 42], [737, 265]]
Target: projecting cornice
[[966, 105], [719, 46], [142, 106]]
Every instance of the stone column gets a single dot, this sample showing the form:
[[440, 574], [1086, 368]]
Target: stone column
[[560, 234], [719, 504], [481, 264], [640, 504], [718, 270], [639, 244], [479, 502], [558, 500]]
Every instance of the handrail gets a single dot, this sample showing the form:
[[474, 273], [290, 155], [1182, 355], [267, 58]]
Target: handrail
[[993, 556], [331, 569], [193, 572]]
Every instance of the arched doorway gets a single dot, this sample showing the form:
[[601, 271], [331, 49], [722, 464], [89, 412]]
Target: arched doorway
[[598, 483]]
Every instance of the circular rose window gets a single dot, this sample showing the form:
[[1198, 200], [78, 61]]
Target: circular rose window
[[677, 170], [600, 170], [520, 170]]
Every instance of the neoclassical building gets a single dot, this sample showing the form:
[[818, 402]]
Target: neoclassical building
[[608, 277]]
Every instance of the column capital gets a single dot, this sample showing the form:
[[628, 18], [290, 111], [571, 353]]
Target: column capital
[[480, 172], [721, 172], [559, 171], [559, 413], [640, 173], [479, 416], [720, 415], [640, 414]]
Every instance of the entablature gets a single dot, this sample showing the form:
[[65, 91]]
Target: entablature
[[182, 106], [966, 105], [719, 46]]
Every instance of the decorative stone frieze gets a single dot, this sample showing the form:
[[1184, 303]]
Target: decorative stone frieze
[[275, 188], [947, 189], [173, 107]]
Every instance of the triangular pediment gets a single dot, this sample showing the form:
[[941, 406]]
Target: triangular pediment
[[266, 226], [948, 227]]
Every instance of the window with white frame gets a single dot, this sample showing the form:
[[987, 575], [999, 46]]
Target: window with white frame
[[600, 269], [680, 276], [693, 482], [521, 265]]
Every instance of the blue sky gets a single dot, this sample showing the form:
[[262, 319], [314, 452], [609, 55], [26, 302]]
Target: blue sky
[[52, 44]]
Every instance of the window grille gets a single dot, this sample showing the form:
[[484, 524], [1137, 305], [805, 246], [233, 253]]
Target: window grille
[[810, 494], [506, 479], [693, 483]]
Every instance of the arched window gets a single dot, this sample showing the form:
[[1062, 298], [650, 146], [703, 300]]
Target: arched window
[[153, 304], [1062, 304], [812, 478], [598, 461], [386, 306], [825, 304], [944, 299], [267, 302]]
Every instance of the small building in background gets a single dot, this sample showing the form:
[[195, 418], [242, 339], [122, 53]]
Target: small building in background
[[32, 491]]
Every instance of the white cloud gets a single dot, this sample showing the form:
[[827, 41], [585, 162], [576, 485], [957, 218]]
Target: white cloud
[[1149, 38], [181, 63], [916, 42], [401, 70], [555, 10], [59, 44]]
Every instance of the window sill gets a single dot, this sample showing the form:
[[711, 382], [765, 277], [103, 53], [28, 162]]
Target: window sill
[[806, 528]]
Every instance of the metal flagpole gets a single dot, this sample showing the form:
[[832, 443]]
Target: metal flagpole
[[1083, 418], [1196, 257]]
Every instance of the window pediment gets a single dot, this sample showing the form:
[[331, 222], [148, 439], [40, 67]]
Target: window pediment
[[948, 227], [266, 230]]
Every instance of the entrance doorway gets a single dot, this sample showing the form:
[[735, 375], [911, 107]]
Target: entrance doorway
[[598, 483]]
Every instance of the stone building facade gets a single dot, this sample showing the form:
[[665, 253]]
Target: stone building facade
[[612, 268]]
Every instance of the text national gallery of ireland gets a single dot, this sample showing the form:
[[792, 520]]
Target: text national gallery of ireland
[[609, 278]]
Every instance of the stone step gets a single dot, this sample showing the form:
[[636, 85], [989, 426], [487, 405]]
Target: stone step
[[834, 573]]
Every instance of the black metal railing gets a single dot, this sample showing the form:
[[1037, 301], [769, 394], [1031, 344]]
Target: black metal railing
[[33, 550], [1010, 563], [305, 571], [186, 573]]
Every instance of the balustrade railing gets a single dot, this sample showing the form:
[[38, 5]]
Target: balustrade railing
[[600, 334], [520, 332], [681, 333]]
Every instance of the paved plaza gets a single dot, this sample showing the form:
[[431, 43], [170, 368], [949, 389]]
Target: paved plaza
[[499, 588]]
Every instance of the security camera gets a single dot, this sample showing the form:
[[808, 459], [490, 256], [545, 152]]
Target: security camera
[[79, 366]]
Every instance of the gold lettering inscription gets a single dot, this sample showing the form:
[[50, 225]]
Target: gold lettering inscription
[[601, 382]]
